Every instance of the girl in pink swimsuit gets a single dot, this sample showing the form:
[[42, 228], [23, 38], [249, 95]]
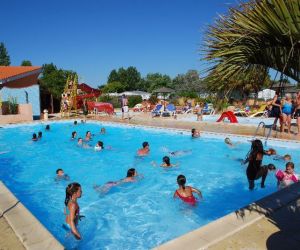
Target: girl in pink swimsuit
[[185, 193], [286, 177]]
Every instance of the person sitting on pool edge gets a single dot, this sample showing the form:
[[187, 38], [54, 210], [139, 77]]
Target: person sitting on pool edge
[[73, 192], [60, 175], [132, 176], [185, 193], [145, 150], [195, 133]]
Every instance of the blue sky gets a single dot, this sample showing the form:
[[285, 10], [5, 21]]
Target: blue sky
[[97, 36]]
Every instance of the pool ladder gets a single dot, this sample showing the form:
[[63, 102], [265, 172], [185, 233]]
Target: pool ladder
[[264, 132]]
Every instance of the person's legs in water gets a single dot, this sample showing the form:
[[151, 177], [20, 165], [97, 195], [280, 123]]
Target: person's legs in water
[[251, 184]]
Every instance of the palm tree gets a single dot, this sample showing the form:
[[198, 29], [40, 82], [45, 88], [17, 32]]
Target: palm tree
[[254, 37]]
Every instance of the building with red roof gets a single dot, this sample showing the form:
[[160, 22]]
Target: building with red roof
[[21, 83]]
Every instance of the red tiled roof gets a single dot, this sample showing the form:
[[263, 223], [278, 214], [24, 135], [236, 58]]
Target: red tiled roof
[[10, 71]]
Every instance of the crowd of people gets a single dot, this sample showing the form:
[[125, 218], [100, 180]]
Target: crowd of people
[[255, 171]]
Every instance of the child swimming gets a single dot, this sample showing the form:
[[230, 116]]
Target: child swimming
[[60, 175], [132, 176], [287, 177], [144, 150], [185, 193], [99, 146], [73, 192], [285, 158], [40, 134], [34, 137], [102, 131], [195, 133], [74, 135]]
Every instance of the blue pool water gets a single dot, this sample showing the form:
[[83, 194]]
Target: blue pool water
[[137, 215]]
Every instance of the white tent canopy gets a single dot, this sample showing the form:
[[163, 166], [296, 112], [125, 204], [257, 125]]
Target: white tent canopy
[[266, 94], [144, 95]]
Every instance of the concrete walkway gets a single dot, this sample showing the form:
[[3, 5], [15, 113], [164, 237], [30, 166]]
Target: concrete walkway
[[279, 231], [8, 239]]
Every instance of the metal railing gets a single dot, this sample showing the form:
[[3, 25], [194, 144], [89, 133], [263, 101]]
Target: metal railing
[[264, 131]]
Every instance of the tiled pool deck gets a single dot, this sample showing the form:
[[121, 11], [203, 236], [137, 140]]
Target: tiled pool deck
[[269, 223]]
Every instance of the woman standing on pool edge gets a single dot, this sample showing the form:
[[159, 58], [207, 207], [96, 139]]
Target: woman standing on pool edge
[[73, 191], [185, 193]]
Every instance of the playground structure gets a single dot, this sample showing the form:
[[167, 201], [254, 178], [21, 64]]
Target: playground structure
[[69, 96], [229, 115], [79, 96]]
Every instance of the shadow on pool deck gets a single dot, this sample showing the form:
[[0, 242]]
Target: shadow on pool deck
[[279, 228]]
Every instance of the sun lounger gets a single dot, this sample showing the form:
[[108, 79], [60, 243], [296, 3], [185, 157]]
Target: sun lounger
[[157, 111]]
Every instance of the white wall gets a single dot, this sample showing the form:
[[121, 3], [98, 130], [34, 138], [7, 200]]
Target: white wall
[[33, 97]]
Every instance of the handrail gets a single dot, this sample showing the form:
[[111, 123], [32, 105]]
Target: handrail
[[258, 126]]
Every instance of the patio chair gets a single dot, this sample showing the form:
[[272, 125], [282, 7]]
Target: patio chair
[[170, 110], [208, 109], [157, 111]]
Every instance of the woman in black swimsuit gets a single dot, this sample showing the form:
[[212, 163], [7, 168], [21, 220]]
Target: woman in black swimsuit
[[254, 169]]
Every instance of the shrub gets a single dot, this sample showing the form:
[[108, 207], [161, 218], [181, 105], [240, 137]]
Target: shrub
[[114, 100], [12, 105], [133, 100]]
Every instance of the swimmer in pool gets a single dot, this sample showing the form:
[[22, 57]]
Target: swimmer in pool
[[40, 135], [270, 151], [34, 137], [185, 193], [287, 177], [144, 150], [284, 158], [47, 127], [60, 175], [99, 146], [195, 133], [102, 131], [88, 136], [73, 192], [132, 176], [74, 135], [228, 142], [75, 123]]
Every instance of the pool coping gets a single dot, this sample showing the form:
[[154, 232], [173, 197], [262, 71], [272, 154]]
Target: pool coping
[[32, 234], [201, 238], [218, 230]]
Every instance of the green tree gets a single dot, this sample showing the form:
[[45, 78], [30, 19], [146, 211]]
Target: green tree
[[113, 87], [188, 84], [129, 77], [54, 80], [4, 57], [26, 63], [157, 80]]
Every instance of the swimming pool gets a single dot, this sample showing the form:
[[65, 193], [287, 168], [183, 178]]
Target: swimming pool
[[138, 215]]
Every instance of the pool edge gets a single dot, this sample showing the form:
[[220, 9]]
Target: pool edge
[[31, 233], [218, 230]]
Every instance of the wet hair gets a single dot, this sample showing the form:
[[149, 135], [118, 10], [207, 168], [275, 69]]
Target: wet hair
[[145, 144], [47, 127], [75, 122], [73, 134], [58, 170], [193, 130], [271, 166], [166, 159], [34, 136], [287, 156], [79, 139], [100, 144], [130, 172], [181, 180], [87, 132], [227, 140], [256, 148], [290, 164], [71, 189], [272, 151], [40, 134]]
